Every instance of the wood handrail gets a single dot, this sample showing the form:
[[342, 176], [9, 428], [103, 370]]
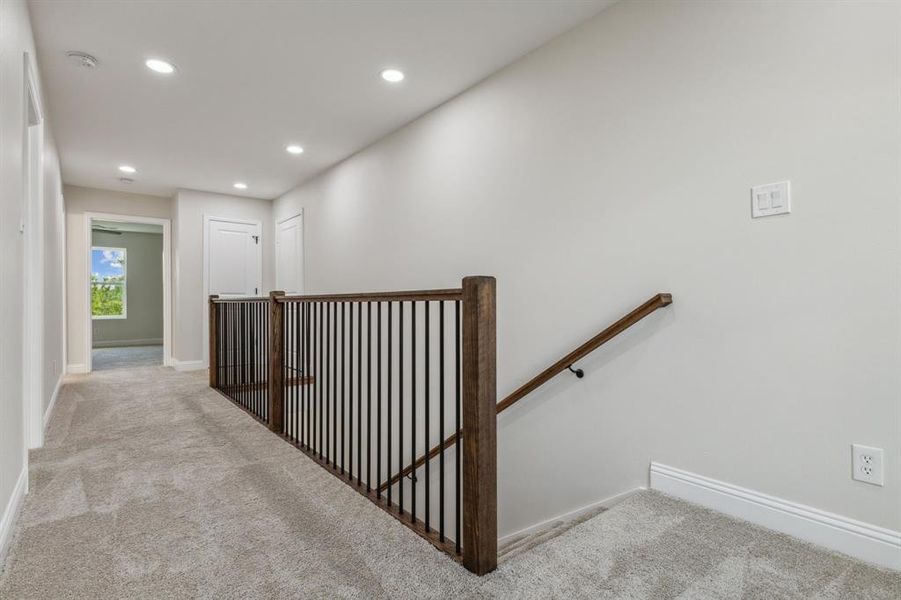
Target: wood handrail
[[406, 296], [658, 301], [227, 300]]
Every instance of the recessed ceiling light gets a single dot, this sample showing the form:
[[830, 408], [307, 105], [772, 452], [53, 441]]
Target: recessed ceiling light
[[294, 149], [160, 66], [393, 75], [240, 185], [127, 169]]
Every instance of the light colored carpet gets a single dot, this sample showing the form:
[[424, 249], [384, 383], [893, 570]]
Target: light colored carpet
[[153, 486], [126, 357]]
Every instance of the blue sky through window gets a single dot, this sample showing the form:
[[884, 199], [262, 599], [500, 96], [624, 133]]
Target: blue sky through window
[[107, 262]]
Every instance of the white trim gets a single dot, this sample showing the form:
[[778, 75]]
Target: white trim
[[33, 261], [127, 343], [11, 513], [568, 516], [207, 219], [167, 280], [49, 412], [864, 541], [188, 365], [77, 369]]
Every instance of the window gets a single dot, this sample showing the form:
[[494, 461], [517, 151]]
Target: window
[[108, 285]]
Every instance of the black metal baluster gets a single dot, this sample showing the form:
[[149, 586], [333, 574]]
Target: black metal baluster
[[236, 389], [264, 315], [343, 387], [286, 373], [388, 449], [319, 379], [335, 388], [359, 394], [323, 367], [298, 370], [226, 333], [400, 406], [245, 331], [288, 393], [330, 394], [350, 392], [305, 375], [253, 392], [293, 382], [413, 410], [251, 371], [368, 396], [427, 444], [457, 426], [242, 307], [441, 420], [378, 392]]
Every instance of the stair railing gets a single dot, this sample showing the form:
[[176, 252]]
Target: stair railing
[[363, 383]]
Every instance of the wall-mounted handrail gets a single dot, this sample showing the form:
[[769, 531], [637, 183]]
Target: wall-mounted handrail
[[657, 301]]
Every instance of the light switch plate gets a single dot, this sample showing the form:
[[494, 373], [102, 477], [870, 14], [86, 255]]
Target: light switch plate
[[771, 199]]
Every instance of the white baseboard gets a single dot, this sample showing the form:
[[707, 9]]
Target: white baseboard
[[568, 516], [76, 369], [49, 412], [188, 365], [11, 513], [864, 541], [127, 343]]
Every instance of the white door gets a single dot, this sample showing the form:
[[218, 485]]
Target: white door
[[234, 259], [289, 255]]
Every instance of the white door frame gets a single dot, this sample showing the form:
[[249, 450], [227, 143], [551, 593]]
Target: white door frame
[[32, 226], [303, 254], [167, 279], [207, 219]]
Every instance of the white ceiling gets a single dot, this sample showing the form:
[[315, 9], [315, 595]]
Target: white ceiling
[[255, 76]]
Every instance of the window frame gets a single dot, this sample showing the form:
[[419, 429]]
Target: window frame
[[124, 285]]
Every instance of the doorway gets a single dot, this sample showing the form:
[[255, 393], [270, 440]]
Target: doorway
[[127, 292]]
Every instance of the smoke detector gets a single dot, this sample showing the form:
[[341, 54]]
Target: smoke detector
[[127, 180], [82, 59]]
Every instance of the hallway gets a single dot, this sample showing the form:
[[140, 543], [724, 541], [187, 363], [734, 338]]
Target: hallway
[[153, 485], [126, 357]]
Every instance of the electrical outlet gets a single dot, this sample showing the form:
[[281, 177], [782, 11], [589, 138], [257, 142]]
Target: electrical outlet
[[867, 464]]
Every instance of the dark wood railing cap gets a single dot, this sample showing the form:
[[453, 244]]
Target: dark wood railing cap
[[405, 296]]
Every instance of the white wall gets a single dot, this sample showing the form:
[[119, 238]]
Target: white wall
[[190, 304], [15, 40], [615, 163], [80, 200]]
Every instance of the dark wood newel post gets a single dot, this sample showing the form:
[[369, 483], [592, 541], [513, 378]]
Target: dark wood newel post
[[214, 342], [276, 349], [479, 527]]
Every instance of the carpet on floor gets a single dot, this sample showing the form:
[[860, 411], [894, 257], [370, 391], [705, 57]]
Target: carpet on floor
[[151, 485]]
